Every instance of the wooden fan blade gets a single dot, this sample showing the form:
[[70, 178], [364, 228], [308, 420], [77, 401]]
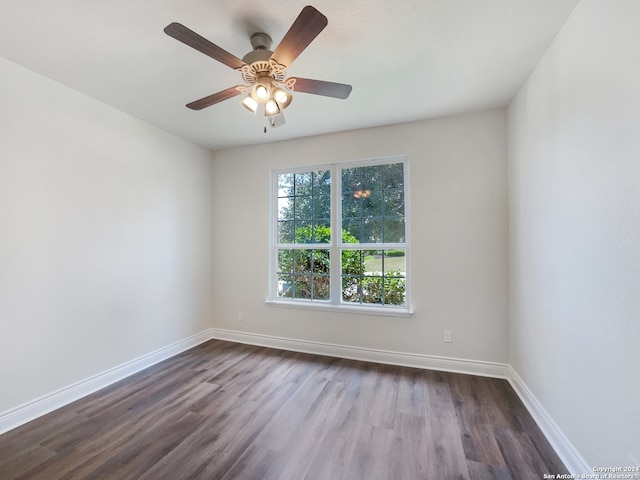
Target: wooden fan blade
[[305, 28], [215, 98], [319, 87], [192, 39]]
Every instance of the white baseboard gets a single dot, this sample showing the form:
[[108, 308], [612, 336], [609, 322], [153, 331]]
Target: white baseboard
[[472, 367], [560, 443], [36, 408]]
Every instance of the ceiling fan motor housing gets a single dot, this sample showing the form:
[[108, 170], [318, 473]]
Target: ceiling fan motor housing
[[261, 43]]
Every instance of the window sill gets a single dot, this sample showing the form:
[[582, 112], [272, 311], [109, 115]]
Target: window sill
[[329, 307]]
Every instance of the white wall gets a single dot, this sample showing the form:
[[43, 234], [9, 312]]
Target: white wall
[[574, 196], [105, 237], [458, 238]]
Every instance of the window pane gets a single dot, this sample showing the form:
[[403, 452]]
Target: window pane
[[374, 276], [321, 262], [347, 237], [351, 207], [352, 230], [322, 231], [285, 286], [393, 203], [352, 262], [372, 204], [304, 231], [393, 230], [286, 232], [303, 207], [393, 174], [284, 206], [351, 289], [303, 183], [372, 262], [372, 231], [395, 263], [301, 261], [285, 261], [321, 287], [394, 291], [285, 185], [322, 182], [349, 180], [302, 286], [304, 273], [321, 206], [372, 289]]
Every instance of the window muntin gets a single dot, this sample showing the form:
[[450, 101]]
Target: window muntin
[[368, 257]]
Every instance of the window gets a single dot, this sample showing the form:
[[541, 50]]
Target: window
[[365, 264]]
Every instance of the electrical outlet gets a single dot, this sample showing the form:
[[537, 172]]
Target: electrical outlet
[[448, 337], [240, 315]]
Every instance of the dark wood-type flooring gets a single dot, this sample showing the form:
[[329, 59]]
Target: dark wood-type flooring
[[226, 411]]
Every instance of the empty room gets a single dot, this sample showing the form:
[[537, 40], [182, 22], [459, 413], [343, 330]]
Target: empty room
[[349, 240]]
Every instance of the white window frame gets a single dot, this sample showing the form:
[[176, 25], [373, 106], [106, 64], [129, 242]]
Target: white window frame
[[336, 246]]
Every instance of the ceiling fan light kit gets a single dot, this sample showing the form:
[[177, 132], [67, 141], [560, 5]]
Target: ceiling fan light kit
[[263, 70]]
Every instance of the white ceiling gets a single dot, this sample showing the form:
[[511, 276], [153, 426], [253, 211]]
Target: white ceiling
[[407, 60]]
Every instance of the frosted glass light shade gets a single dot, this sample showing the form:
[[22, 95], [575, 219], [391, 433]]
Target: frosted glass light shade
[[283, 98], [250, 104], [271, 108]]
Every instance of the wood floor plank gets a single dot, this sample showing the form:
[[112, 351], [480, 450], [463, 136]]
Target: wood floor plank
[[16, 461], [384, 398], [510, 403], [215, 446], [293, 416], [228, 411], [523, 460], [482, 471], [476, 419], [445, 452], [363, 459], [412, 391], [128, 462], [330, 459], [259, 463], [119, 435], [302, 450], [409, 451]]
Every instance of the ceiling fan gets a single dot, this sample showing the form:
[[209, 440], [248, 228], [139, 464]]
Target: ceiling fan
[[263, 70]]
